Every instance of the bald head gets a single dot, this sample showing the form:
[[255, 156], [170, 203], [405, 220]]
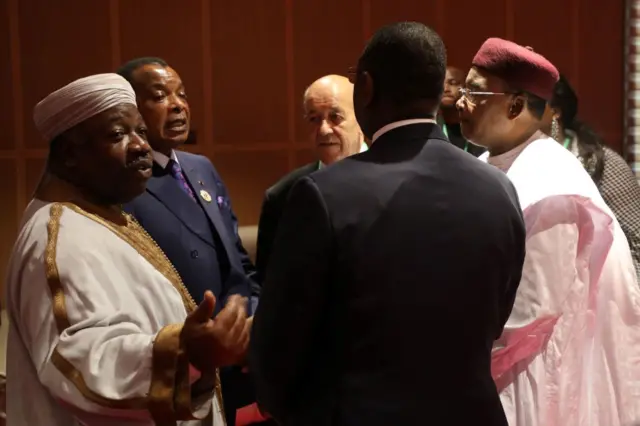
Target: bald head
[[333, 85], [328, 108]]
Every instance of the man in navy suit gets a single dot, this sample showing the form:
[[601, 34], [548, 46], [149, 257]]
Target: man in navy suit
[[186, 207]]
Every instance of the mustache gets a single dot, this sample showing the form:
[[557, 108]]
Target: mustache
[[140, 162], [328, 139]]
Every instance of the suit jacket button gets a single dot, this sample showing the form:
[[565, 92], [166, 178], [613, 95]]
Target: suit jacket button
[[194, 254]]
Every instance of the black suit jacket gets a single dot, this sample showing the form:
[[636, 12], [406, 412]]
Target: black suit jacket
[[393, 272], [272, 206]]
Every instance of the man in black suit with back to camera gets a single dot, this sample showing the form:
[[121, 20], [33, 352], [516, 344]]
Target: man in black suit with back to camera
[[394, 270]]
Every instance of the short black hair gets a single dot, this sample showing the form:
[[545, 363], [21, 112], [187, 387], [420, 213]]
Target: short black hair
[[127, 69], [407, 61]]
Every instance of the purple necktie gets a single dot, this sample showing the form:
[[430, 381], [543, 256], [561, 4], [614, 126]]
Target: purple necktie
[[176, 171]]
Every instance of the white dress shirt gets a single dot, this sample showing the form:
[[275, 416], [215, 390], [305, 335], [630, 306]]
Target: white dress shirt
[[162, 160], [400, 123]]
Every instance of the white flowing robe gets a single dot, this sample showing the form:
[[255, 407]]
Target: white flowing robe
[[95, 313], [570, 351]]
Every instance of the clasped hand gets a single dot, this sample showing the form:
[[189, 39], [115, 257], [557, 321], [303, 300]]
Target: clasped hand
[[218, 342]]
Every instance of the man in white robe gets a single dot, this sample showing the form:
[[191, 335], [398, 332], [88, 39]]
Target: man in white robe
[[102, 331], [570, 352]]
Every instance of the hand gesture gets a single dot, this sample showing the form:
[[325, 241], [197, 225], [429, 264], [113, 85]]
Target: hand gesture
[[231, 333], [218, 342], [197, 334]]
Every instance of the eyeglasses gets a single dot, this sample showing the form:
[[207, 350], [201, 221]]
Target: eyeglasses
[[472, 96]]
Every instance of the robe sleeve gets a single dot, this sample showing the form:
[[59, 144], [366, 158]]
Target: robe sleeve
[[97, 352], [568, 239]]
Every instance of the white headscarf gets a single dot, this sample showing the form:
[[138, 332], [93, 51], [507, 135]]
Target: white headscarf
[[80, 100]]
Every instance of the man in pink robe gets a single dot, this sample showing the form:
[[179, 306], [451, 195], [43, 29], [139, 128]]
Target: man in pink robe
[[570, 352]]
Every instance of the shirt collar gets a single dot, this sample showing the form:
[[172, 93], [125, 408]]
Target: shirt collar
[[400, 123], [505, 160], [162, 160], [363, 148]]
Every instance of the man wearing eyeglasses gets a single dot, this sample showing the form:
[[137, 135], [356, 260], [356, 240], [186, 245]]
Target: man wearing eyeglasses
[[569, 351], [449, 118]]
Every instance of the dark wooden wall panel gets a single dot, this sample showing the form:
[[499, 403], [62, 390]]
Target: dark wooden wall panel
[[558, 30], [600, 66], [468, 23], [385, 12], [249, 72], [10, 219], [248, 168], [59, 41], [246, 65], [324, 42], [7, 115], [304, 156]]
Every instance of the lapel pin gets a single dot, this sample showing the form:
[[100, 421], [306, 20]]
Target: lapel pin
[[205, 195], [201, 183]]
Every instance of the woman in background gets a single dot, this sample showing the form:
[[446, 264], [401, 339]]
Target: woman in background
[[613, 177]]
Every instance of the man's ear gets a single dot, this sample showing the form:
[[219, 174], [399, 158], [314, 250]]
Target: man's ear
[[368, 90], [516, 107], [70, 142]]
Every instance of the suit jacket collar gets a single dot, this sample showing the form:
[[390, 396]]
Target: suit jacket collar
[[396, 124], [311, 167], [204, 186], [418, 131], [402, 143], [165, 188]]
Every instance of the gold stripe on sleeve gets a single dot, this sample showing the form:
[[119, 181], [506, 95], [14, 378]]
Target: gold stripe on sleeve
[[169, 396], [166, 347]]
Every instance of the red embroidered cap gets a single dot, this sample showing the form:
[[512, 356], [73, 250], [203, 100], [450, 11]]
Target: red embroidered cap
[[520, 67]]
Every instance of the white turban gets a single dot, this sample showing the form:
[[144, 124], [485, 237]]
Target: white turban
[[80, 100]]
